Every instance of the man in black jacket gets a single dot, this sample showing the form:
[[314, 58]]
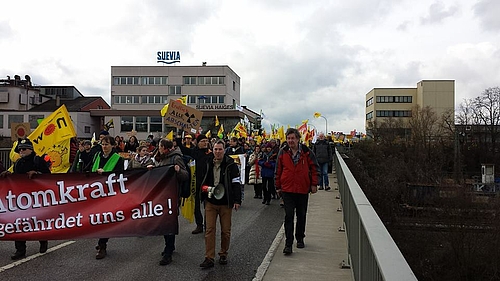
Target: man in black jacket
[[223, 173], [323, 151], [31, 164]]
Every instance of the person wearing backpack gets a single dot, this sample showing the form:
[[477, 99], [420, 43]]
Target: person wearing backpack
[[167, 154], [31, 164]]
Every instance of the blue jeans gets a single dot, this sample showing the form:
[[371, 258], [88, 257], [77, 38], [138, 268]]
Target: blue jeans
[[323, 179]]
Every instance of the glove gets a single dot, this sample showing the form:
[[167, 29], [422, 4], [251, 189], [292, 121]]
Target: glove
[[4, 174], [31, 174]]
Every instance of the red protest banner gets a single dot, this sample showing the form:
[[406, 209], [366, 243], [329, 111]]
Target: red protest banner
[[72, 206]]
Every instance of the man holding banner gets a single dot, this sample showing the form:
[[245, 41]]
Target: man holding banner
[[31, 164]]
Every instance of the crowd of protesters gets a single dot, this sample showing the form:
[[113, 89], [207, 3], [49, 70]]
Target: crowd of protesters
[[261, 162]]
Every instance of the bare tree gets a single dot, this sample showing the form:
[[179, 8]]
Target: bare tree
[[487, 111]]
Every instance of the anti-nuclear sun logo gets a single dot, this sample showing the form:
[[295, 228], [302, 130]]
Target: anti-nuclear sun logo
[[56, 155]]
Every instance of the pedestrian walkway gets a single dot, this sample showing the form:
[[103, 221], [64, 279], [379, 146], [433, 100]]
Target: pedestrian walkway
[[326, 246]]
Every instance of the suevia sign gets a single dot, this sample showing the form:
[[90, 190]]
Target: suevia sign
[[168, 57]]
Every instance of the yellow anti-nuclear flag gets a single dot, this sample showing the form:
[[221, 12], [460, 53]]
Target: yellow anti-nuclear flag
[[52, 137], [187, 204], [53, 129]]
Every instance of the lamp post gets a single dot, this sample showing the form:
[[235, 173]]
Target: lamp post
[[317, 115], [199, 100]]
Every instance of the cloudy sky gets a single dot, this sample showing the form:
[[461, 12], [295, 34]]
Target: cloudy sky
[[294, 57]]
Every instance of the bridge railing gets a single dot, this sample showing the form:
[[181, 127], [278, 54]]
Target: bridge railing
[[4, 156], [373, 254]]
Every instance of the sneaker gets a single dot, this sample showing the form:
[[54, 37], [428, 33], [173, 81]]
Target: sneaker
[[44, 245], [166, 260], [320, 188], [287, 250], [207, 263], [198, 229], [223, 260], [300, 244], [18, 255], [327, 188]]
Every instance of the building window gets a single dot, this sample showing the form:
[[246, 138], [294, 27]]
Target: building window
[[155, 123], [189, 80], [394, 99], [234, 86], [161, 80], [86, 129], [33, 119], [141, 123], [393, 113], [174, 90], [369, 116], [1, 121], [217, 80], [127, 123], [126, 99], [192, 99], [369, 102], [15, 119]]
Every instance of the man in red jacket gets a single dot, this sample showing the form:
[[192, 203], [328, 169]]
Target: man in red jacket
[[296, 174]]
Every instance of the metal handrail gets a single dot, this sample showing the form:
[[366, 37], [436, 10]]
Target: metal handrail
[[373, 254]]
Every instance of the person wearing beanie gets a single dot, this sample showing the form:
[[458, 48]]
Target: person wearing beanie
[[201, 137], [201, 154], [31, 164]]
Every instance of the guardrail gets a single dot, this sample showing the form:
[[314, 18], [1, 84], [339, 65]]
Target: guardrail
[[373, 254], [4, 156]]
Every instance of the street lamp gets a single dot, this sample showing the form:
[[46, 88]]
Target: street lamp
[[317, 115], [199, 100]]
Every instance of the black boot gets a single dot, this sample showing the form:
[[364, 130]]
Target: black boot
[[19, 254], [44, 245], [101, 251]]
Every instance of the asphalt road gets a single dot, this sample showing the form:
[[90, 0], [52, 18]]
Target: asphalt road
[[254, 228]]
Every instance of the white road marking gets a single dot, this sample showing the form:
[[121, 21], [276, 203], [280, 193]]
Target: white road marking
[[28, 258]]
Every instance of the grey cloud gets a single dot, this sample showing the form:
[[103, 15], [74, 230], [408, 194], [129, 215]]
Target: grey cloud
[[487, 11], [438, 12]]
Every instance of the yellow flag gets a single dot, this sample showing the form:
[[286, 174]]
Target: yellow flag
[[59, 157], [170, 136], [183, 100], [52, 137], [216, 121], [164, 110], [52, 130], [220, 133], [187, 204], [281, 134], [208, 134]]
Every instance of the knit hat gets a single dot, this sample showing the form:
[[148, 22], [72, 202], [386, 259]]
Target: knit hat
[[23, 143], [201, 137], [104, 133]]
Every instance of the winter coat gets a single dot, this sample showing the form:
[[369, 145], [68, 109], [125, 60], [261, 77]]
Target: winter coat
[[138, 162], [268, 164], [255, 175], [229, 177], [174, 157], [31, 162], [296, 178], [323, 151]]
